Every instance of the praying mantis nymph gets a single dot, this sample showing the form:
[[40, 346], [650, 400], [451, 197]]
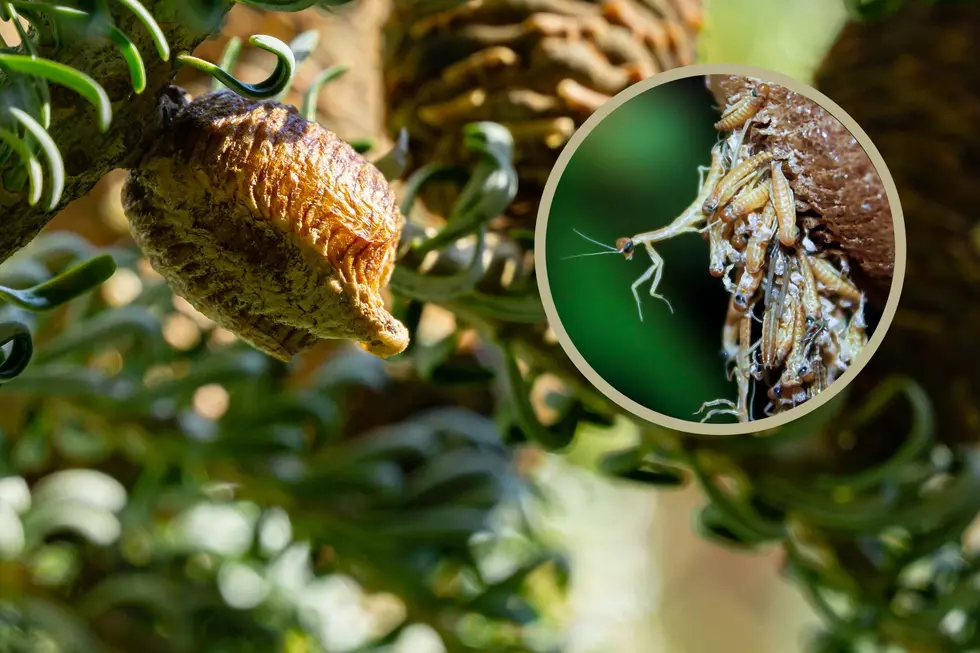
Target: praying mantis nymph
[[807, 370], [785, 203], [744, 362], [687, 222], [855, 335], [730, 334], [790, 379], [721, 250], [750, 199], [832, 280], [716, 190], [738, 176], [755, 253], [744, 110]]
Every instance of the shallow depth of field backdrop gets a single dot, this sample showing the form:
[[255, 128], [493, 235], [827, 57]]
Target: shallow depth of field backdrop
[[641, 580]]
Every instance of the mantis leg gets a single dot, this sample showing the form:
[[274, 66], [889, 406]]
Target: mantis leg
[[655, 271], [731, 410], [719, 411], [636, 284], [658, 265]]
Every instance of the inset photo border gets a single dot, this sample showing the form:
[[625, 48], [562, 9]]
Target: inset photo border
[[720, 249]]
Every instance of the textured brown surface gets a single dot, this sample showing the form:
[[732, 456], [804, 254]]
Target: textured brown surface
[[839, 194], [541, 67], [270, 225], [913, 83]]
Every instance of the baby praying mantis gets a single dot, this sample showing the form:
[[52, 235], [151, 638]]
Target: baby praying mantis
[[744, 367], [689, 221]]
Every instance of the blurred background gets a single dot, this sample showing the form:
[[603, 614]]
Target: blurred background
[[188, 444]]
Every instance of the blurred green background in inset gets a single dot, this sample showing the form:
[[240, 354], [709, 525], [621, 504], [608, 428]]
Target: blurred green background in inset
[[635, 172]]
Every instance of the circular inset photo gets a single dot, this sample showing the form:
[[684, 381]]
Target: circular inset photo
[[720, 249]]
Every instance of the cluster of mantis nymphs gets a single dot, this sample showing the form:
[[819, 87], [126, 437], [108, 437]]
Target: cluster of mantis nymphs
[[810, 317]]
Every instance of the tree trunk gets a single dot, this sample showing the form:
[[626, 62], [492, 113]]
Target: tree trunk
[[911, 82]]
